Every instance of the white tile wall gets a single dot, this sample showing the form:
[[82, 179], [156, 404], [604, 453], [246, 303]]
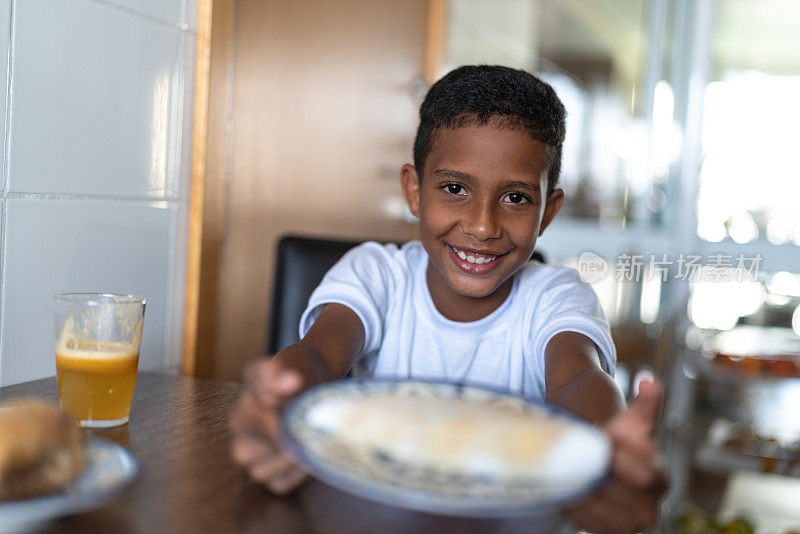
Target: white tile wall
[[185, 134], [165, 10], [173, 334], [91, 89], [2, 260], [56, 246], [190, 8], [5, 28], [97, 159]]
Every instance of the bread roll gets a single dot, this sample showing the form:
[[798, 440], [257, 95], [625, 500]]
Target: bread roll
[[41, 449]]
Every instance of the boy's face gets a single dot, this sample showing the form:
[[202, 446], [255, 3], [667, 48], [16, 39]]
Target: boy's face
[[481, 203]]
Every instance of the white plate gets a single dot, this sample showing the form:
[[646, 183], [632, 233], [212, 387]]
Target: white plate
[[575, 463], [109, 469]]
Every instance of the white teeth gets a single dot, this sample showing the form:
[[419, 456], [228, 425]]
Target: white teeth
[[480, 260]]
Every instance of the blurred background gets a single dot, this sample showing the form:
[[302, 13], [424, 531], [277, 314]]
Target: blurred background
[[680, 147], [680, 171]]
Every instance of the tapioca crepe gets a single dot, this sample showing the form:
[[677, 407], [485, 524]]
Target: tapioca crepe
[[444, 448], [471, 436]]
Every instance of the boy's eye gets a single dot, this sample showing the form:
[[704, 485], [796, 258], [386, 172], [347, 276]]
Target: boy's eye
[[516, 198], [454, 189]]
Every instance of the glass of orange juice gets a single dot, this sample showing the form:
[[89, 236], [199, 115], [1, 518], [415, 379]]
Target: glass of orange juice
[[98, 336]]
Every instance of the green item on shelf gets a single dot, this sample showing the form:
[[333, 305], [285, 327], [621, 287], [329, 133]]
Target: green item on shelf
[[696, 521]]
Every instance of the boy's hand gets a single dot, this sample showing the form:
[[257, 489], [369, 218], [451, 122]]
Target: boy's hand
[[254, 426], [629, 501]]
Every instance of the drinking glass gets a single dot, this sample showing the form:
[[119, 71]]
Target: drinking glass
[[98, 337]]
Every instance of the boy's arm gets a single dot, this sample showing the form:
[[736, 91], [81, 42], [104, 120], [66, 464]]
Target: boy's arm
[[629, 501], [328, 349], [576, 381], [325, 353]]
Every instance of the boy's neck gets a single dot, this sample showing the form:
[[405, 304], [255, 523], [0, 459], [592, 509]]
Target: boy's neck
[[461, 308]]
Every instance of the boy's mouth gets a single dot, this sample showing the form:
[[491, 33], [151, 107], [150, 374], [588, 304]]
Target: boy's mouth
[[474, 257]]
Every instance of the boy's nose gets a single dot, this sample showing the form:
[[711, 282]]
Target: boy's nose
[[481, 222]]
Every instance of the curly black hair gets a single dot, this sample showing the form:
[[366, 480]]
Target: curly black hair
[[476, 94]]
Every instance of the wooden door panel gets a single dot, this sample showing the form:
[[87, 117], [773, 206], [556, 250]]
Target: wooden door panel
[[323, 117]]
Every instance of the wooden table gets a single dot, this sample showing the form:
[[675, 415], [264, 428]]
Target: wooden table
[[178, 432]]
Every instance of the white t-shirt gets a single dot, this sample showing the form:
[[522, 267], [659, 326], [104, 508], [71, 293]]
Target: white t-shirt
[[405, 336]]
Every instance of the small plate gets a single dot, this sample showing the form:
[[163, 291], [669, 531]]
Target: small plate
[[574, 462], [109, 469]]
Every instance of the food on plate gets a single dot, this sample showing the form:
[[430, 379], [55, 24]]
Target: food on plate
[[446, 448], [492, 438], [41, 449]]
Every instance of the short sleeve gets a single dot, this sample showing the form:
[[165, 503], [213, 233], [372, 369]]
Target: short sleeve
[[363, 280], [567, 304]]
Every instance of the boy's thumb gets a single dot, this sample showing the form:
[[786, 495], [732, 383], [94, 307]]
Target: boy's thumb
[[288, 381], [646, 407]]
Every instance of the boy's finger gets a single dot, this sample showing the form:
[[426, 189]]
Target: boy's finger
[[258, 378], [641, 507], [282, 385], [288, 480], [271, 382], [288, 382], [639, 471], [257, 371], [255, 420], [242, 419], [631, 441], [252, 418], [644, 374], [644, 410], [269, 467], [278, 473], [597, 516], [248, 450]]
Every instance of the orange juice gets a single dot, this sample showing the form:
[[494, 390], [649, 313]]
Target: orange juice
[[96, 380]]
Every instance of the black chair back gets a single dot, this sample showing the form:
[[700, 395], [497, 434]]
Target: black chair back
[[301, 264]]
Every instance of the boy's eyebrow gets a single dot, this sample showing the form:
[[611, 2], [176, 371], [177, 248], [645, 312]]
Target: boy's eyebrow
[[458, 175], [523, 185], [467, 177]]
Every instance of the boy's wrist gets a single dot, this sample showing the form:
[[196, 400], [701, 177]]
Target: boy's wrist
[[307, 362]]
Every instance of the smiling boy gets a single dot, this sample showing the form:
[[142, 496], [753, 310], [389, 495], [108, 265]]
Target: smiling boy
[[464, 303]]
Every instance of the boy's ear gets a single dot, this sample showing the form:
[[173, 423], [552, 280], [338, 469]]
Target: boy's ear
[[551, 208], [409, 182]]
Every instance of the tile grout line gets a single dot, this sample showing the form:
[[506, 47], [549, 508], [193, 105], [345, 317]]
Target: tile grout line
[[7, 117], [5, 181], [122, 9], [184, 12], [169, 303], [89, 198], [176, 118], [169, 172], [3, 256], [177, 122]]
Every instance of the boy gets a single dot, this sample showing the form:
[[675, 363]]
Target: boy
[[464, 303]]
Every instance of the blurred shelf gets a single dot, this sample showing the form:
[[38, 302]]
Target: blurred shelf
[[723, 446], [749, 353]]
